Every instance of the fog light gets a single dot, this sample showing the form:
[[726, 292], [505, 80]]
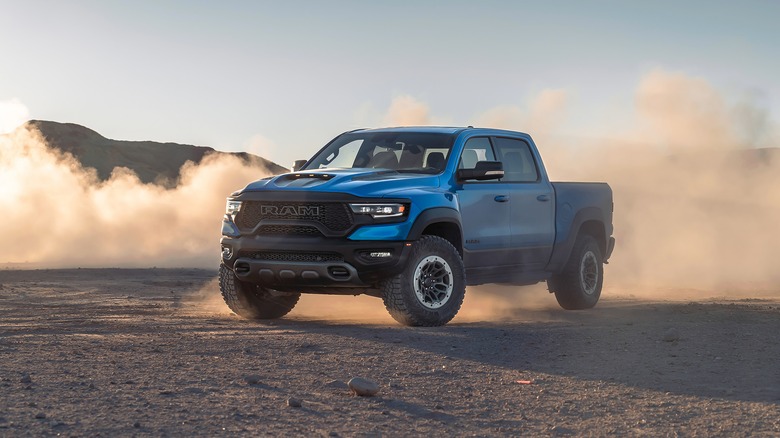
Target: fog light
[[229, 228], [227, 252]]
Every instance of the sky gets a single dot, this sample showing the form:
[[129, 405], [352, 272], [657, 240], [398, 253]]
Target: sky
[[280, 79]]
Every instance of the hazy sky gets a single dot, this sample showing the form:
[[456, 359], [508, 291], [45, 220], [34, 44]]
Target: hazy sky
[[289, 76]]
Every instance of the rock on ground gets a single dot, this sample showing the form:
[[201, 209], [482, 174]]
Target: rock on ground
[[363, 387]]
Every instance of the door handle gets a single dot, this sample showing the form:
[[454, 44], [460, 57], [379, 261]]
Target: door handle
[[501, 198], [543, 198]]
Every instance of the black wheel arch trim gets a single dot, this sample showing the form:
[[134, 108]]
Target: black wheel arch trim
[[433, 216], [566, 236]]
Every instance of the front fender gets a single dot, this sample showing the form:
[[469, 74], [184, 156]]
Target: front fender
[[449, 222]]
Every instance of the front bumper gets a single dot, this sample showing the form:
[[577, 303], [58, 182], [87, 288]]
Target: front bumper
[[290, 262]]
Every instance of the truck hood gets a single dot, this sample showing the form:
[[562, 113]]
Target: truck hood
[[357, 182]]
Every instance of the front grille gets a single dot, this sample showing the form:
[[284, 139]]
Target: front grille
[[289, 230], [282, 256], [336, 217]]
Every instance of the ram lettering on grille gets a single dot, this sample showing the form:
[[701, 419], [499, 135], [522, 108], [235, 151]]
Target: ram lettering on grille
[[336, 217], [290, 210]]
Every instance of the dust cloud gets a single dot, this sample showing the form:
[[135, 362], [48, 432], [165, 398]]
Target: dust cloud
[[696, 190], [208, 300], [57, 214], [405, 110], [482, 303], [12, 114]]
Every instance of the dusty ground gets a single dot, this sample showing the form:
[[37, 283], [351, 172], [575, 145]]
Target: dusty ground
[[152, 352]]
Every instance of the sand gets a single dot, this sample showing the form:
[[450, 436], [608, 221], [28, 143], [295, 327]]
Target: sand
[[154, 352]]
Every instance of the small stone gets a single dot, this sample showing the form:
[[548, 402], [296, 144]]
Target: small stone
[[137, 425], [40, 416], [25, 378], [252, 379], [363, 387], [294, 403], [671, 335]]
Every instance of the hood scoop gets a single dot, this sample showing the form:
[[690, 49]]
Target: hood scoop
[[303, 179]]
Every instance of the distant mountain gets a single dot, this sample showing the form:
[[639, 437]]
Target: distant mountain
[[153, 162]]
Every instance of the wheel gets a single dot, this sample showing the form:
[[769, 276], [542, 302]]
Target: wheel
[[579, 285], [430, 290], [253, 301]]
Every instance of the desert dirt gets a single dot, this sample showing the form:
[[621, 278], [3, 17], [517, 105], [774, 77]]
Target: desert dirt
[[110, 352]]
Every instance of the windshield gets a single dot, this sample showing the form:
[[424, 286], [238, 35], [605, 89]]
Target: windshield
[[402, 151]]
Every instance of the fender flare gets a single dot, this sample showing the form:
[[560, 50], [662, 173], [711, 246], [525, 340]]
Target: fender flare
[[433, 216], [564, 242]]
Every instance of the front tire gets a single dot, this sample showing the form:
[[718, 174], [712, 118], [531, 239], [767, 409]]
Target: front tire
[[579, 285], [253, 301], [431, 288]]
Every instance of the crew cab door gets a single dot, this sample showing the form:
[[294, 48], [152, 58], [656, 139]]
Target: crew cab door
[[531, 203], [485, 212]]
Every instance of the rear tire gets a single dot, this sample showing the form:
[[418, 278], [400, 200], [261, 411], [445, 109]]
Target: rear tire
[[253, 301], [579, 285], [431, 288]]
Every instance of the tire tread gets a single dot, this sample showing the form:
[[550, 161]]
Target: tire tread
[[566, 285], [400, 302], [248, 304]]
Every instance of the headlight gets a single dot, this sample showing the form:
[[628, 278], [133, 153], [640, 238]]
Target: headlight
[[379, 210], [232, 207]]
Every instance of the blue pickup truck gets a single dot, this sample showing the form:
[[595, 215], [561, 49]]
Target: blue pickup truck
[[414, 215]]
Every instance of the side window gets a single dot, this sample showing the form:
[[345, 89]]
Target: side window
[[519, 165], [476, 149]]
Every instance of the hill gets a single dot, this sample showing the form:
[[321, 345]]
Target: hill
[[152, 161]]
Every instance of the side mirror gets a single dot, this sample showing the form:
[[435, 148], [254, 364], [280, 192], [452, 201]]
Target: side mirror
[[483, 171], [298, 164]]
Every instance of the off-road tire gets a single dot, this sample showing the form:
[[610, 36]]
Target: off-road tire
[[253, 301], [579, 285], [431, 288]]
